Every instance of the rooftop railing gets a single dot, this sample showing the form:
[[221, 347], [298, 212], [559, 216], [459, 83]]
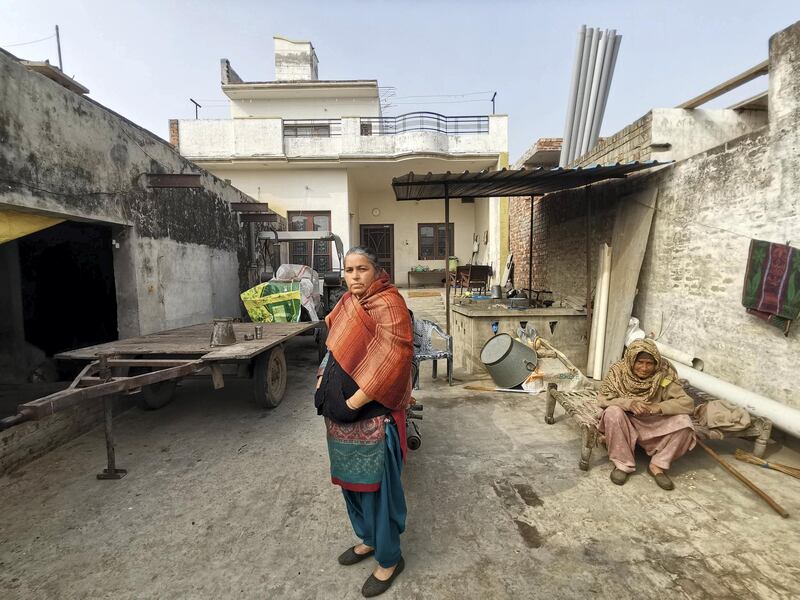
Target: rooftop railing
[[424, 121]]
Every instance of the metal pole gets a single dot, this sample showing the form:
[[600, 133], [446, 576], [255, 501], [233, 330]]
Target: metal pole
[[493, 97], [447, 254], [196, 106], [58, 43], [530, 257], [112, 472]]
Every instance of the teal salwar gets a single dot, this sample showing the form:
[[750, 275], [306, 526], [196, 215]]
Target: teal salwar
[[378, 518]]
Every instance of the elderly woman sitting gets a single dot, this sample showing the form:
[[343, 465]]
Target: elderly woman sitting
[[645, 404]]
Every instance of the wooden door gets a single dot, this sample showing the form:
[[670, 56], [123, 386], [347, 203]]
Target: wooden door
[[380, 239]]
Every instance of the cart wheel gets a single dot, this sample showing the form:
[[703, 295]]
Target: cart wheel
[[156, 395], [269, 378]]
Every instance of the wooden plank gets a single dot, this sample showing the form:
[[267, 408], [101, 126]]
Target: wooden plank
[[760, 69], [192, 341], [628, 245]]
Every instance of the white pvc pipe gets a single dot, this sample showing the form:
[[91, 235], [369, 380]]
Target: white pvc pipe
[[587, 92], [782, 416], [573, 138], [593, 333], [573, 95], [677, 355], [595, 89], [596, 133], [602, 313], [597, 117]]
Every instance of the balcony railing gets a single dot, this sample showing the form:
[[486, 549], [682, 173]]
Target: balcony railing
[[424, 121], [312, 128]]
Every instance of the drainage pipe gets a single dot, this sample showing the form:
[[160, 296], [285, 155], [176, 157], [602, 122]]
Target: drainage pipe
[[602, 313], [573, 95], [782, 416]]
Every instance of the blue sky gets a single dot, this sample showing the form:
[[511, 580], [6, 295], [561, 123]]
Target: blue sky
[[145, 59]]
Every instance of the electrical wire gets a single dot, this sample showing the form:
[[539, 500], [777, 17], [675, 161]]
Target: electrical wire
[[50, 37]]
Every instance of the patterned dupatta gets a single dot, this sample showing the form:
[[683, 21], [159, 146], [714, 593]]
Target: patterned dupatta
[[372, 340]]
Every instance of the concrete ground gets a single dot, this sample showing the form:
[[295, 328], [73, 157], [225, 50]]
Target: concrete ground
[[224, 500]]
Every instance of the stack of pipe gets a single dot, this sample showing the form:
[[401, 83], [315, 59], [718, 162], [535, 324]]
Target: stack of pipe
[[595, 59]]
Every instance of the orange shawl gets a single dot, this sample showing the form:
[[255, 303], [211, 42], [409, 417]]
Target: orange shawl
[[372, 339]]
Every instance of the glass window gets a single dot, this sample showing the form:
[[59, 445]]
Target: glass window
[[432, 241]]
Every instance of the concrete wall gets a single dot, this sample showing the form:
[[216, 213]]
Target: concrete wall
[[248, 138], [65, 155], [709, 206], [298, 190], [326, 107], [666, 134], [294, 60]]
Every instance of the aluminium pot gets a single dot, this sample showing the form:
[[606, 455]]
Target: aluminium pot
[[508, 361]]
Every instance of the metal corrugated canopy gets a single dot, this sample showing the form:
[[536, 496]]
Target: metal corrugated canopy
[[509, 182]]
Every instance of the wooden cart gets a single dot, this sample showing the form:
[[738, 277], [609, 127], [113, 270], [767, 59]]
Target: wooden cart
[[151, 366]]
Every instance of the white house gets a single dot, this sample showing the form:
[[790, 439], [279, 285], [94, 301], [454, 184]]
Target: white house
[[321, 153]]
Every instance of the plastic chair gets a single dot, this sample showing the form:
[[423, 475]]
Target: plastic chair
[[424, 350]]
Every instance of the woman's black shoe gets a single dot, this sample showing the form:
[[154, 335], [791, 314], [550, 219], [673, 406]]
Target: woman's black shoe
[[351, 557], [375, 587]]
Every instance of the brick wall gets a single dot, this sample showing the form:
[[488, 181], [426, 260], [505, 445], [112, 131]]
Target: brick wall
[[631, 143], [174, 133], [519, 223]]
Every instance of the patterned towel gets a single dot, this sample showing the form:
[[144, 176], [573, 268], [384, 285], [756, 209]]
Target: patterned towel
[[772, 283]]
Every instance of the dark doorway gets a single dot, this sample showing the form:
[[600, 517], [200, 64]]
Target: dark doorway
[[380, 239], [68, 292]]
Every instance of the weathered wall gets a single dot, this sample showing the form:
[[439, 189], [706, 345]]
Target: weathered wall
[[709, 206], [666, 134], [64, 154]]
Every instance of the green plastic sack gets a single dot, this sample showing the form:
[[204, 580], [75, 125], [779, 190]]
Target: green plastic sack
[[273, 302]]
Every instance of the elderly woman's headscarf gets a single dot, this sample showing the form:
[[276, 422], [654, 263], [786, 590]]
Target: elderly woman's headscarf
[[621, 381]]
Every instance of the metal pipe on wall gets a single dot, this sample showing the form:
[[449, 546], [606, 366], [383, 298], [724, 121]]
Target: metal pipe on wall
[[602, 313], [573, 95]]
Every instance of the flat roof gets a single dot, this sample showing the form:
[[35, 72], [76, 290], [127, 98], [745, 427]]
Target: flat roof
[[510, 182]]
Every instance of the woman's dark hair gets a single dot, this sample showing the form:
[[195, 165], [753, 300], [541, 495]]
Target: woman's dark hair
[[366, 253]]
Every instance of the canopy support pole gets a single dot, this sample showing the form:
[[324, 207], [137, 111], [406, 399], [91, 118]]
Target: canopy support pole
[[447, 255]]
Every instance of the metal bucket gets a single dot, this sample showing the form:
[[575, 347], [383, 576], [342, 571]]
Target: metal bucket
[[223, 334], [497, 292], [508, 361]]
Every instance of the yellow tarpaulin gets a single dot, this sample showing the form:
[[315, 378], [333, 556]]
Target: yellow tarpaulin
[[15, 224]]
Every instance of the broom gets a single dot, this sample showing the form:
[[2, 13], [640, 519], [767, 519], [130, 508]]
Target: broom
[[754, 460]]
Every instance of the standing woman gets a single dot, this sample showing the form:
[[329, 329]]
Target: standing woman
[[363, 389]]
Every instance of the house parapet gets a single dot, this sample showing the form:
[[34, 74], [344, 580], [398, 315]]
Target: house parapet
[[350, 136]]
